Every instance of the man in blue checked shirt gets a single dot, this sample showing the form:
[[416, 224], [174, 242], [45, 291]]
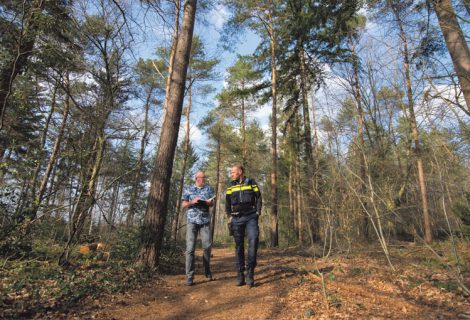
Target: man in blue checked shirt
[[198, 198]]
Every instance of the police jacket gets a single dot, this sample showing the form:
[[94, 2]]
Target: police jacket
[[243, 198]]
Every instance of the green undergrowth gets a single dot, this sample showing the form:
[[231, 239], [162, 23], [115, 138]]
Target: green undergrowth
[[34, 286]]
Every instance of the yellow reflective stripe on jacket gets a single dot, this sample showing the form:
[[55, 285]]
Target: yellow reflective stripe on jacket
[[241, 188]]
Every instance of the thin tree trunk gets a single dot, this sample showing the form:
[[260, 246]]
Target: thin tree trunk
[[86, 198], [308, 141], [243, 128], [306, 116], [291, 192], [316, 148], [415, 133], [43, 143], [114, 206], [27, 194], [456, 43], [217, 186], [157, 207], [174, 42], [53, 157], [374, 141], [299, 195], [274, 206], [140, 163], [298, 184], [360, 134], [220, 212]]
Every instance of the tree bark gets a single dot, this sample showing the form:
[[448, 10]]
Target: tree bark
[[43, 143], [360, 135], [456, 44], [299, 199], [175, 224], [243, 128], [140, 163], [308, 140], [217, 187], [306, 116], [53, 157], [157, 207], [174, 41], [291, 193], [86, 198], [274, 199], [414, 132], [298, 185]]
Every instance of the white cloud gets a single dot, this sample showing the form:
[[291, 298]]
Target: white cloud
[[219, 15], [262, 116], [195, 135]]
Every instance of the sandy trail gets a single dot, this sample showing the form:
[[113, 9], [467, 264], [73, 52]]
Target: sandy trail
[[217, 299], [288, 286]]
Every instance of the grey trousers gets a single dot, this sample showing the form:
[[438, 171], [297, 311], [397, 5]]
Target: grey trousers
[[191, 235]]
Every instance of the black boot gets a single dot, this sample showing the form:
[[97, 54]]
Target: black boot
[[250, 278], [208, 274], [240, 278]]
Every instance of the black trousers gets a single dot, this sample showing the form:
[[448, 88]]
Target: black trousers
[[249, 225]]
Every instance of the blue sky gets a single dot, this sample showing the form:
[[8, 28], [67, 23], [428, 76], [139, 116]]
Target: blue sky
[[245, 45], [208, 27]]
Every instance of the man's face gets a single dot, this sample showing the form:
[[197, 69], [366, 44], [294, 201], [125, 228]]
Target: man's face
[[200, 179], [236, 173]]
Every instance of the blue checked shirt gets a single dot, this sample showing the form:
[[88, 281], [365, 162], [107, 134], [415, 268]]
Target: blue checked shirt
[[198, 214]]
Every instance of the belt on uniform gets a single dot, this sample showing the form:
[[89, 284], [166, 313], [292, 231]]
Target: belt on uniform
[[241, 214]]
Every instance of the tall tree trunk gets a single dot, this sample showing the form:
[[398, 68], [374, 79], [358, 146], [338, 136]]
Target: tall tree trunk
[[243, 128], [290, 189], [53, 157], [305, 109], [299, 199], [112, 212], [414, 132], [274, 214], [360, 135], [308, 141], [157, 207], [24, 50], [298, 183], [316, 147], [140, 163], [456, 44], [217, 187], [176, 222], [43, 143], [86, 198], [372, 110], [174, 42]]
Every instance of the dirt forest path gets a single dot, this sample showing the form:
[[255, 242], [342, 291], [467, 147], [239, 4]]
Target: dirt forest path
[[286, 288], [217, 299]]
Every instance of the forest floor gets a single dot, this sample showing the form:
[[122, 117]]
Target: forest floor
[[292, 284]]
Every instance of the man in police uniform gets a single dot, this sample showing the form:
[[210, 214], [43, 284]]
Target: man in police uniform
[[243, 206]]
